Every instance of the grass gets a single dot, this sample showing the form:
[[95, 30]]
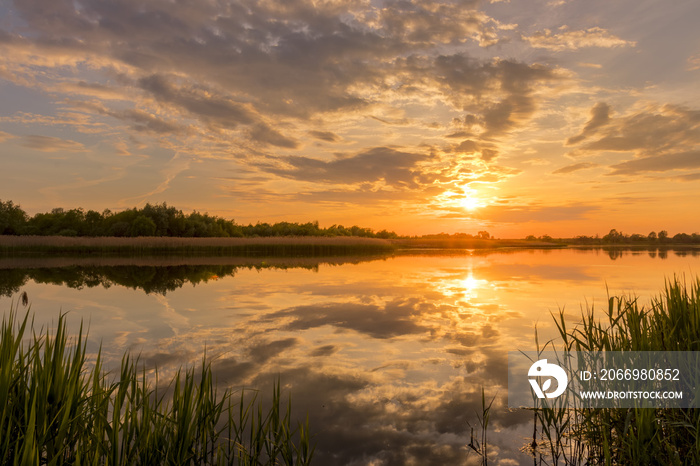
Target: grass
[[57, 408], [287, 246], [280, 246], [610, 436]]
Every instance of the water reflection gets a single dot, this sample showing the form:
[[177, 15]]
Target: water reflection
[[155, 275], [388, 357]]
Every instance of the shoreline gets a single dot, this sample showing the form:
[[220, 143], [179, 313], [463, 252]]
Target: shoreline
[[297, 246]]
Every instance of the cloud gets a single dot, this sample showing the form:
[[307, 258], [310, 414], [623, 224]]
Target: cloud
[[661, 139], [499, 95], [574, 40], [327, 136], [394, 167], [600, 116], [396, 318], [690, 177], [359, 196], [324, 351], [264, 351], [525, 213], [5, 136], [659, 163], [254, 63], [202, 103], [52, 144], [141, 120], [574, 167], [266, 135]]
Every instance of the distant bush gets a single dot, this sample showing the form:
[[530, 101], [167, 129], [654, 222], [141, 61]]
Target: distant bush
[[158, 220]]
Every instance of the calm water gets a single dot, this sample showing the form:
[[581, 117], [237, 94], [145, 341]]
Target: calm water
[[388, 356]]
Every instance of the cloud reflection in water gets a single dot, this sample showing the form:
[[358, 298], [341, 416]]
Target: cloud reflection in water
[[388, 357]]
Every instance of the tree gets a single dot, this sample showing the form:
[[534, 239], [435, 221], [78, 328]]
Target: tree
[[143, 226], [614, 237], [12, 219], [484, 235], [663, 236]]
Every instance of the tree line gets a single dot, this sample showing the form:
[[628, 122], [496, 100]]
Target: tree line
[[157, 220], [617, 237]]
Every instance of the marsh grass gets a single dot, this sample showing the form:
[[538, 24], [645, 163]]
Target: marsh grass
[[284, 246], [610, 436], [479, 442], [58, 408]]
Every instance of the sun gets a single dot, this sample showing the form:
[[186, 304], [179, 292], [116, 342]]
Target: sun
[[470, 203]]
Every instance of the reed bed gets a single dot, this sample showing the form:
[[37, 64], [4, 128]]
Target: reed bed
[[611, 436], [56, 408], [274, 246]]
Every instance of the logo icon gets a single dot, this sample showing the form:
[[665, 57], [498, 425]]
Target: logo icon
[[543, 369]]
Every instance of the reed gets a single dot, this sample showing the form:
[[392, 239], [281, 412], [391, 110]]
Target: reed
[[289, 246], [56, 408], [670, 322]]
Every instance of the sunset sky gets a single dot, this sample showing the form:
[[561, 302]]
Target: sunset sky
[[559, 117]]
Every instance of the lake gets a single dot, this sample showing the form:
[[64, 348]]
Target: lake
[[388, 355]]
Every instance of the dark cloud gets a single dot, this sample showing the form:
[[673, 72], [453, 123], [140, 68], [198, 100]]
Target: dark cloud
[[574, 167], [394, 167], [468, 145], [158, 359], [416, 425], [211, 108], [327, 136], [649, 132], [396, 318], [148, 122], [323, 351], [246, 63], [662, 139], [266, 135], [659, 163], [499, 95], [429, 22], [690, 177], [600, 116], [264, 351]]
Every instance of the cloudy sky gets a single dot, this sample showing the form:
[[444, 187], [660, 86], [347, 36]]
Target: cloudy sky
[[520, 117]]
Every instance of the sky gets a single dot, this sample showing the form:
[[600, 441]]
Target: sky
[[557, 117]]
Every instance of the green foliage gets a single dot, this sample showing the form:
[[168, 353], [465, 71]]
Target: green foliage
[[57, 409], [143, 226], [12, 218], [158, 220], [671, 322]]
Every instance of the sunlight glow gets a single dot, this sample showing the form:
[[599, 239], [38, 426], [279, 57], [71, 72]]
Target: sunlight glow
[[470, 203]]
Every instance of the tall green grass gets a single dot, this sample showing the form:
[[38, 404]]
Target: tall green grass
[[56, 408], [610, 436]]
